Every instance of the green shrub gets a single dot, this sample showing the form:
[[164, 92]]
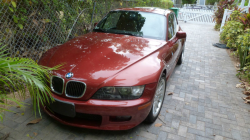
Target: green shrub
[[231, 31], [244, 39], [235, 15], [217, 27], [243, 42]]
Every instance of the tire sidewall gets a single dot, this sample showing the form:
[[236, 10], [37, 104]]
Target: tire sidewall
[[151, 118]]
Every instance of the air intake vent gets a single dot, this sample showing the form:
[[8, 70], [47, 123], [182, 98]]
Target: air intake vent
[[57, 84], [75, 89]]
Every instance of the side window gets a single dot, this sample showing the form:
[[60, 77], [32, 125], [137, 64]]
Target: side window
[[170, 26], [111, 21], [175, 24]]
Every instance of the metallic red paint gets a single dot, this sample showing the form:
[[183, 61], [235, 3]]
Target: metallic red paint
[[105, 59], [97, 58], [181, 34]]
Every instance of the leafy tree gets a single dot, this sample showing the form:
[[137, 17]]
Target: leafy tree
[[188, 1]]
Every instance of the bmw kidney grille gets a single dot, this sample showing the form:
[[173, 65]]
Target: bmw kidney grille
[[57, 84], [75, 89]]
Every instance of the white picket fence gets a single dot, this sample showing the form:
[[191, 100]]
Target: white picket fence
[[196, 15]]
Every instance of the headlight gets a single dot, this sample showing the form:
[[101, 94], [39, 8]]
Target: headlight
[[119, 93]]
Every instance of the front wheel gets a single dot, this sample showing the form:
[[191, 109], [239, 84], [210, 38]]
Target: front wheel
[[158, 100]]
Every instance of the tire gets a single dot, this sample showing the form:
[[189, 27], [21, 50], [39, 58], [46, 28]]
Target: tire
[[155, 110], [180, 59]]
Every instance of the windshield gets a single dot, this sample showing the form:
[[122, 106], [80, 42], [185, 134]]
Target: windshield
[[142, 24]]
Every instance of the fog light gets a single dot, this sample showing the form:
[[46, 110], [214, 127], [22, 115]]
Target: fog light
[[119, 118]]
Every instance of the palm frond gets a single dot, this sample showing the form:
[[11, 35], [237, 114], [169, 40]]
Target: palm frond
[[19, 74]]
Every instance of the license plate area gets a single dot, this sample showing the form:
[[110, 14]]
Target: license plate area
[[63, 108]]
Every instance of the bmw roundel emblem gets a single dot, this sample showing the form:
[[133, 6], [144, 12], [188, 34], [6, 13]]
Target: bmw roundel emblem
[[69, 75]]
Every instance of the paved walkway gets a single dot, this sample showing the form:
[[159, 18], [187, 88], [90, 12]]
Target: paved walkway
[[205, 104]]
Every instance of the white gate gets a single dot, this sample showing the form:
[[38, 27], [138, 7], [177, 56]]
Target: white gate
[[196, 15]]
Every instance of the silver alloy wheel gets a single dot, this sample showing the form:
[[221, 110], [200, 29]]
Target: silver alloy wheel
[[159, 97]]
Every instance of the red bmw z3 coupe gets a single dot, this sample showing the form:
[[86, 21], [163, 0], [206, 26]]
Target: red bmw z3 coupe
[[115, 77]]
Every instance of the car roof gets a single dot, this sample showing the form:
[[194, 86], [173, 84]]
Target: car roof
[[147, 9]]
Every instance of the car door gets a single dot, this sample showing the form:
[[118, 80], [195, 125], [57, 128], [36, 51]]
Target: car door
[[169, 49]]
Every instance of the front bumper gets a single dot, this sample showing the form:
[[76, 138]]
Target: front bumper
[[102, 114]]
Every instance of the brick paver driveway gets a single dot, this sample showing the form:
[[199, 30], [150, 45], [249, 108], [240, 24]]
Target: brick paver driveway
[[205, 104]]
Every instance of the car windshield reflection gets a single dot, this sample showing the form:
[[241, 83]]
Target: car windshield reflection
[[141, 24]]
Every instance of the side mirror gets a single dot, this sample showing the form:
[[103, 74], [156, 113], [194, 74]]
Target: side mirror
[[95, 24], [181, 34]]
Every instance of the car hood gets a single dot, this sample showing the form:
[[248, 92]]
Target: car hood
[[95, 57]]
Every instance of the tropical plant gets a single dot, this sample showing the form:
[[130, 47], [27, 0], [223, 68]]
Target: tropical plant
[[243, 42], [223, 4], [235, 14], [230, 32], [245, 19], [232, 29], [23, 75], [244, 49]]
